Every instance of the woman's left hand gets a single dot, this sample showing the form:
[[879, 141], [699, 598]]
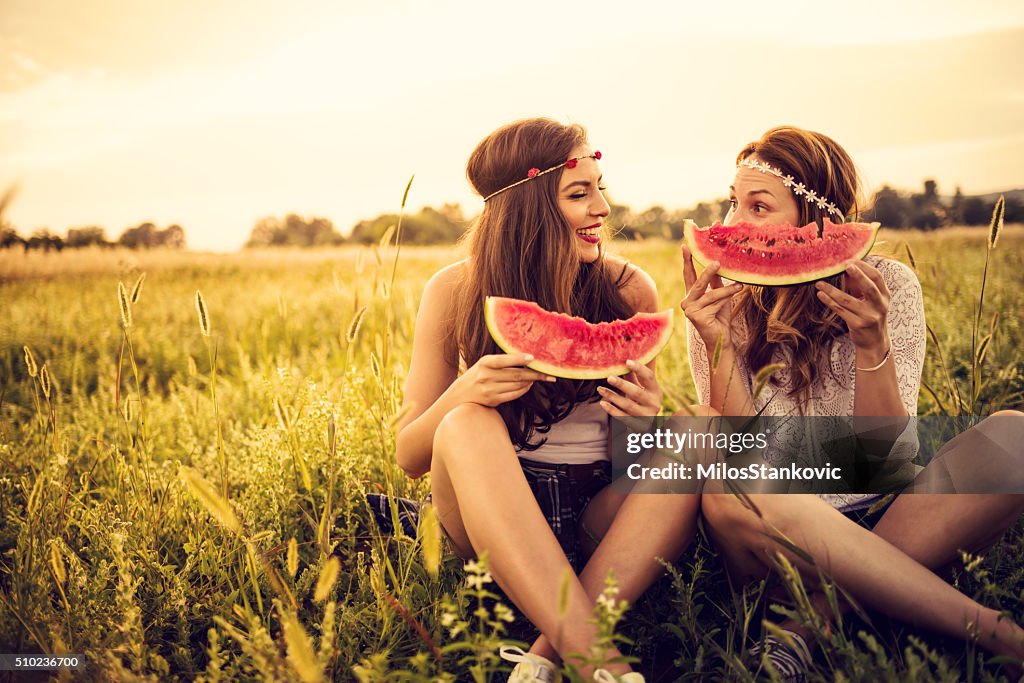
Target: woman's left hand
[[638, 393], [864, 306]]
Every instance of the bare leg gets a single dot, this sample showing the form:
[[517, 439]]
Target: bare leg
[[986, 458], [485, 504], [933, 528], [633, 530], [872, 570]]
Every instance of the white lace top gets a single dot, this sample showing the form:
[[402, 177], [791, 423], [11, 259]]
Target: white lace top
[[830, 397]]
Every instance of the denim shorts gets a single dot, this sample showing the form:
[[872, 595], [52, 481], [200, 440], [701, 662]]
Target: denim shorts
[[563, 493]]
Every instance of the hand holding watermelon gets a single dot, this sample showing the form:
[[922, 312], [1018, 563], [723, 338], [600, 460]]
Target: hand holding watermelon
[[708, 302], [498, 379], [640, 393], [864, 307]]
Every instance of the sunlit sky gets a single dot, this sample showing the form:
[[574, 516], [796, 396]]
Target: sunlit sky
[[213, 114]]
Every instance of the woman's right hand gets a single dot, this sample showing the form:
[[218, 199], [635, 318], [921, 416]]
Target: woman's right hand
[[708, 310], [498, 379]]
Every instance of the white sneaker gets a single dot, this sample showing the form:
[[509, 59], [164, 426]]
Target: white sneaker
[[604, 676], [530, 668]]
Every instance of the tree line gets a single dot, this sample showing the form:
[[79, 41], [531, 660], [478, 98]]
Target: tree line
[[928, 210], [143, 236], [925, 210], [428, 226]]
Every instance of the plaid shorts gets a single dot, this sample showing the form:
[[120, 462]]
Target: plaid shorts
[[563, 493]]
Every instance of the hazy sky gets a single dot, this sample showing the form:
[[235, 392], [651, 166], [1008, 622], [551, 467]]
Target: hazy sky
[[213, 114]]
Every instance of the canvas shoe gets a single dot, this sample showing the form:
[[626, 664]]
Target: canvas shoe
[[530, 668]]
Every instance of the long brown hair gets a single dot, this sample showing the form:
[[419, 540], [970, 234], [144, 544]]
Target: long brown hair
[[792, 319], [523, 247]]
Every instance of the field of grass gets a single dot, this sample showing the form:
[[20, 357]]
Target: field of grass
[[182, 502]]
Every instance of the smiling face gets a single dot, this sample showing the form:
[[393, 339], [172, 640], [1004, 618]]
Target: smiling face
[[581, 199], [761, 199]]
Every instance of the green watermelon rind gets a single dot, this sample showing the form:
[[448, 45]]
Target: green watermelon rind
[[747, 277], [492, 303]]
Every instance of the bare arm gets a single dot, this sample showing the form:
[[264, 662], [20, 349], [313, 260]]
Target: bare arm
[[434, 387], [708, 307], [866, 309], [637, 393], [429, 393]]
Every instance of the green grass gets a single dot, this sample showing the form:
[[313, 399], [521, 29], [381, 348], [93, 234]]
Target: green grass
[[117, 539]]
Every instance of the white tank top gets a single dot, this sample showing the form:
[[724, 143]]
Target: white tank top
[[580, 438]]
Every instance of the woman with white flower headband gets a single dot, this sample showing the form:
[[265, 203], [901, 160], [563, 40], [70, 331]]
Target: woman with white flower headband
[[519, 461], [851, 345]]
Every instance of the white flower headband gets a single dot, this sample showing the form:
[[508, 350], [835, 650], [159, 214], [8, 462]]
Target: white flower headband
[[799, 189]]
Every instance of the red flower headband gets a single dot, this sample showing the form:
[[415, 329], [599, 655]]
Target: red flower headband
[[536, 172]]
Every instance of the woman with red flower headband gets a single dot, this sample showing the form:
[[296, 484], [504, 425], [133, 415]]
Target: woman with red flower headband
[[852, 345], [519, 460]]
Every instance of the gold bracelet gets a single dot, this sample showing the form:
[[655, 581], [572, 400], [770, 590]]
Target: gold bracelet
[[879, 366]]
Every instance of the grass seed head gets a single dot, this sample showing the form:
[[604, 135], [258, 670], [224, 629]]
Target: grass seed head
[[44, 380], [998, 214], [300, 650], [219, 508], [30, 362], [293, 557], [57, 564], [204, 317], [353, 327], [328, 577], [430, 538], [137, 289], [126, 307]]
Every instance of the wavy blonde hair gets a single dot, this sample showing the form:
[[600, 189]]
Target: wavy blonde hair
[[792, 319]]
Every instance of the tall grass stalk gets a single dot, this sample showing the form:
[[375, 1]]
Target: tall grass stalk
[[978, 347], [211, 355]]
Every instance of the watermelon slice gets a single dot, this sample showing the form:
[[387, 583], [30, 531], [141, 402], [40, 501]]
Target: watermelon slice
[[779, 254], [565, 346]]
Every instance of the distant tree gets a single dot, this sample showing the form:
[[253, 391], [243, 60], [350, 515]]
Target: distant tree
[[294, 231], [976, 211], [452, 213], [9, 237], [889, 208], [705, 214], [1014, 210], [268, 232], [44, 239], [620, 217], [85, 237], [652, 222], [657, 221], [928, 212], [148, 236], [172, 237], [956, 208], [143, 235], [724, 207], [429, 226]]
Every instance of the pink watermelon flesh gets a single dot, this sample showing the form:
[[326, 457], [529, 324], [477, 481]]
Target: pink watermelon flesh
[[779, 254], [570, 347]]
